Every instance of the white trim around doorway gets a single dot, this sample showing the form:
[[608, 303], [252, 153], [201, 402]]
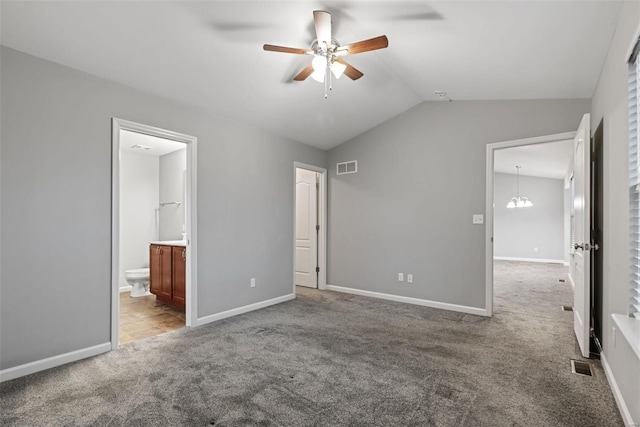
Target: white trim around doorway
[[322, 220], [490, 203], [191, 314]]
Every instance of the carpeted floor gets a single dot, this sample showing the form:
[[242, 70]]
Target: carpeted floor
[[336, 359]]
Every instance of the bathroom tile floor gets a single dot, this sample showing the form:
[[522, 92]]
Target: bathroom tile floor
[[144, 317]]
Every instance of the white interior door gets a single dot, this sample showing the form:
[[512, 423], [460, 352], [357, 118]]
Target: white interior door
[[306, 233], [581, 257]]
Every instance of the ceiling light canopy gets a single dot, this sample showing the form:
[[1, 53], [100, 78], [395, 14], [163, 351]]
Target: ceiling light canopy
[[518, 201]]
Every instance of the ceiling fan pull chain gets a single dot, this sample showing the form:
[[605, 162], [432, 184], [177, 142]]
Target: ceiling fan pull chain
[[329, 73], [327, 79]]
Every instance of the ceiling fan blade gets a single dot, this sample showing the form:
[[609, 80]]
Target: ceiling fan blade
[[322, 21], [302, 75], [283, 49], [375, 43], [352, 72]]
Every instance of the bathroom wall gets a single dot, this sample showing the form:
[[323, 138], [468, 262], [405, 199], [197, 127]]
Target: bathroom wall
[[534, 233], [138, 202], [172, 189]]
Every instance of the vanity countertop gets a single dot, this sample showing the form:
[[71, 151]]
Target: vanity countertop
[[170, 243]]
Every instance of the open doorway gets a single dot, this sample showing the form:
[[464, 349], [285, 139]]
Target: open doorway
[[309, 227], [531, 228], [514, 251], [578, 217], [153, 233]]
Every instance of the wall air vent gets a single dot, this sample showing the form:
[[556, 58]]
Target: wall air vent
[[347, 167]]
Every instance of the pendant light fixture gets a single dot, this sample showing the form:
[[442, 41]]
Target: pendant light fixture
[[517, 201]]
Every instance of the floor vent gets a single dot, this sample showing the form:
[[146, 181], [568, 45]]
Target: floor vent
[[566, 308], [561, 280], [582, 368]]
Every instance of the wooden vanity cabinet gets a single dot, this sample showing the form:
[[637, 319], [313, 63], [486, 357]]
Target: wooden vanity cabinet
[[167, 274], [179, 254]]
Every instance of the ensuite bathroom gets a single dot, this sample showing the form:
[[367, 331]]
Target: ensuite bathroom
[[152, 238]]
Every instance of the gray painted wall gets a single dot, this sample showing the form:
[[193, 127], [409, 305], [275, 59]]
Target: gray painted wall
[[536, 232], [56, 205], [172, 189], [139, 188], [421, 177], [611, 103]]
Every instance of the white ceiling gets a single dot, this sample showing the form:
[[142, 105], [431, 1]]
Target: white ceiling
[[158, 146], [550, 160], [209, 54]]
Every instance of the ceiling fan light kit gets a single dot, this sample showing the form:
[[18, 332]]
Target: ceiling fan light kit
[[328, 53]]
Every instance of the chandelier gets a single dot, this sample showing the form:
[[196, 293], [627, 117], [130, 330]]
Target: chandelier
[[518, 201]]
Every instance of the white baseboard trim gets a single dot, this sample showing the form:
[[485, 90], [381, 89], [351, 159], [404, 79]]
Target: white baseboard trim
[[617, 394], [410, 300], [52, 362], [546, 261], [126, 288], [566, 264], [241, 310]]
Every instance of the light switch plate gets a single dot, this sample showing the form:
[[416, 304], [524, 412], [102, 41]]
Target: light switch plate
[[409, 278], [478, 219], [400, 277]]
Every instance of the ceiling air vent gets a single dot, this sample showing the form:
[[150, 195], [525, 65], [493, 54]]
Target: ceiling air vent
[[347, 167]]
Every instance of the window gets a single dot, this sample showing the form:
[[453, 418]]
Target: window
[[634, 183]]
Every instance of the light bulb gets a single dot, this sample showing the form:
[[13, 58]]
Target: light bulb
[[318, 76], [520, 203], [337, 69], [319, 63], [528, 204], [511, 205]]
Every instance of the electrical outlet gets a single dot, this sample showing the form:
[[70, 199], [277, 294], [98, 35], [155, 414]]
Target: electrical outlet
[[400, 277], [409, 278], [478, 219], [253, 282]]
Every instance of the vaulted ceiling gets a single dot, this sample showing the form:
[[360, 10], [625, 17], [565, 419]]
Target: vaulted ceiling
[[209, 54]]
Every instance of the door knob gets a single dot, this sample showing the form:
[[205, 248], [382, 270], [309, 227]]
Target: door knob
[[577, 246]]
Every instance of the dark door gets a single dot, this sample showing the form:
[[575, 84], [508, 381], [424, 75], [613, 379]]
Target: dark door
[[596, 239]]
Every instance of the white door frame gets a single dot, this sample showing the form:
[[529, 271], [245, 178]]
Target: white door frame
[[322, 220], [190, 219], [490, 202]]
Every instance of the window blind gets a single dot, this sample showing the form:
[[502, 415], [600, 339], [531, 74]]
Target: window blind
[[634, 185]]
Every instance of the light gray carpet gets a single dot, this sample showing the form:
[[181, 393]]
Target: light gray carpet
[[335, 359]]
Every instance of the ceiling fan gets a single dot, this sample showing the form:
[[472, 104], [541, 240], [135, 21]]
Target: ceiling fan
[[328, 53]]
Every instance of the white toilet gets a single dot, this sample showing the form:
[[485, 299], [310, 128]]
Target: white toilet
[[139, 281]]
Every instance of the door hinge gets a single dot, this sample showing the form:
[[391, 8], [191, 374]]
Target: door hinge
[[318, 227], [317, 269], [317, 186]]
